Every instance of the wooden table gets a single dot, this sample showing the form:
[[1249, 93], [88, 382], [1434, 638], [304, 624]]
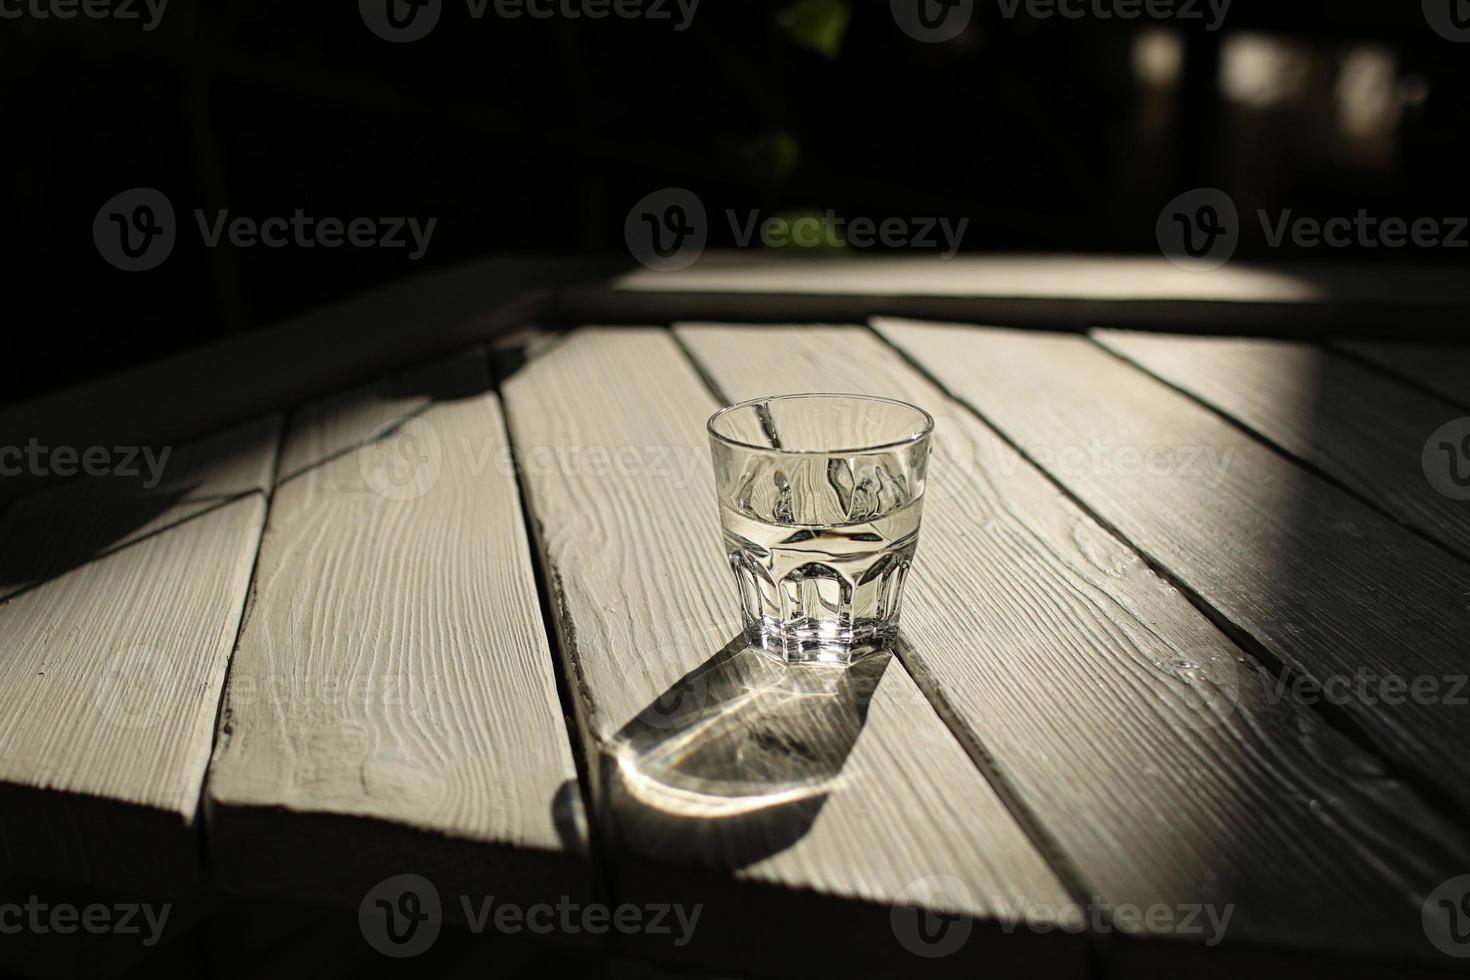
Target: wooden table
[[430, 587]]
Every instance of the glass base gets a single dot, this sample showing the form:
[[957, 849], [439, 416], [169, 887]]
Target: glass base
[[819, 642]]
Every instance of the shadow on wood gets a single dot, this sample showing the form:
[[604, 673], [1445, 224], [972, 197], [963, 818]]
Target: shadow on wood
[[733, 763]]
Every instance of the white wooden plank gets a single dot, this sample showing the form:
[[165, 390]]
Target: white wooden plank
[[1130, 726], [699, 752], [1328, 585], [1355, 425], [392, 706], [110, 683]]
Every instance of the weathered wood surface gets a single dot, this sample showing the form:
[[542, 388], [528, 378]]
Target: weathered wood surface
[[1142, 739], [1353, 424], [1441, 368], [1335, 590], [392, 706], [112, 670], [801, 801]]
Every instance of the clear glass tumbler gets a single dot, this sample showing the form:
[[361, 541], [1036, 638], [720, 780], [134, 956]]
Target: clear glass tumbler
[[820, 501]]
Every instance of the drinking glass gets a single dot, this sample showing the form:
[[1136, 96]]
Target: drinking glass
[[820, 500]]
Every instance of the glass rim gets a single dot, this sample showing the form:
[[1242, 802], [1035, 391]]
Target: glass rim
[[920, 436]]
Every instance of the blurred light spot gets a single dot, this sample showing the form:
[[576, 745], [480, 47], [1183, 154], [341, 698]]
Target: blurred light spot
[[1261, 71], [816, 24], [1367, 101], [1158, 57]]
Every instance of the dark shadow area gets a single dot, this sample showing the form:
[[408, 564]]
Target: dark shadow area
[[1050, 132], [733, 763], [134, 494]]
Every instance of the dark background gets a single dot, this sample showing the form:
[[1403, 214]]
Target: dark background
[[536, 136]]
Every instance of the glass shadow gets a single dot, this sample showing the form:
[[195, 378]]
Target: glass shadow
[[733, 763]]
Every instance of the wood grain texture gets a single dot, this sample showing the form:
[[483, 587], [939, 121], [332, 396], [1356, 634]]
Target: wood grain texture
[[1139, 735], [698, 742], [110, 683], [1354, 425], [1321, 581], [1441, 368], [392, 706]]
